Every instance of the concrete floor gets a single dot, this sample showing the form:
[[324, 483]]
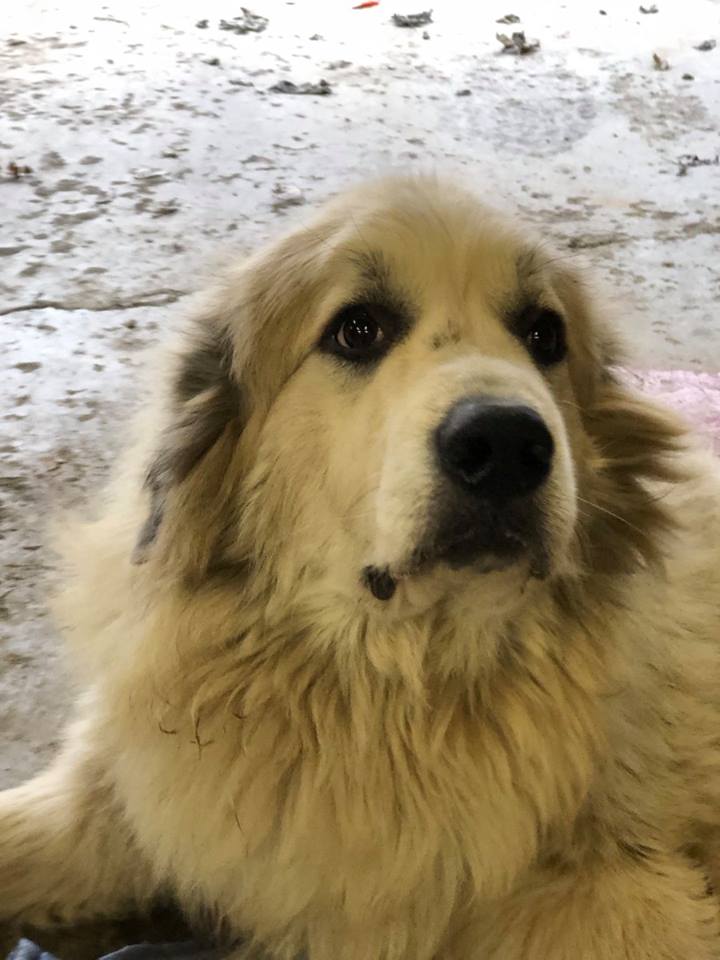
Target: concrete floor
[[156, 149]]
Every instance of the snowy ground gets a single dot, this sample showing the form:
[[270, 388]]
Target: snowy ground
[[156, 150]]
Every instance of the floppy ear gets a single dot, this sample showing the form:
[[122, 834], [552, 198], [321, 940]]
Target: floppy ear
[[634, 443], [188, 479], [234, 358]]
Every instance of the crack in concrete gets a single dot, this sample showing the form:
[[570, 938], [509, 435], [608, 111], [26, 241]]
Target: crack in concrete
[[153, 298]]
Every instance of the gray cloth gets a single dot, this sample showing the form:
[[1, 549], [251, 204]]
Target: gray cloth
[[187, 950]]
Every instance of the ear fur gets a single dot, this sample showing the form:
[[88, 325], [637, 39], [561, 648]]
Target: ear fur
[[220, 379], [195, 447], [634, 443]]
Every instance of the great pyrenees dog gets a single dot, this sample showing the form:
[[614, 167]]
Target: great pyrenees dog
[[399, 624]]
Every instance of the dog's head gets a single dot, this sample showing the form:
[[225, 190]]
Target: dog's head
[[405, 401]]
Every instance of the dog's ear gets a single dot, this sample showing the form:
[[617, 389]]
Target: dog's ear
[[235, 356], [186, 481], [595, 348], [634, 444]]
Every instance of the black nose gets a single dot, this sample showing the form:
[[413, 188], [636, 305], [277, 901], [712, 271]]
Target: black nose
[[494, 448]]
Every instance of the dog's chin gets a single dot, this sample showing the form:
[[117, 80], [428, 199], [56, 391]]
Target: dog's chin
[[469, 551]]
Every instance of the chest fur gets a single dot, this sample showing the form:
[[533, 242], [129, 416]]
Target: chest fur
[[331, 803]]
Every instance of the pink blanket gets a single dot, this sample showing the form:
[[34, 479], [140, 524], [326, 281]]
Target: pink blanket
[[696, 396]]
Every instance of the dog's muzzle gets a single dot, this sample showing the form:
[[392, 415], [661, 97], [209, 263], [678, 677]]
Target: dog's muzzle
[[493, 456]]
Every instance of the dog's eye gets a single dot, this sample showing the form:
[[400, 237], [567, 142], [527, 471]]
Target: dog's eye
[[545, 337], [362, 333], [358, 330]]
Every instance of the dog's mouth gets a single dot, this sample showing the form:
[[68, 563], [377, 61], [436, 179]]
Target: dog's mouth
[[485, 543]]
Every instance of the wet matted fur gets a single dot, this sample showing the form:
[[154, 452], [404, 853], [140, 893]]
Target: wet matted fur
[[300, 717]]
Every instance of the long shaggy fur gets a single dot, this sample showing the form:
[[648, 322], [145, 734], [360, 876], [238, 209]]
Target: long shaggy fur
[[490, 766]]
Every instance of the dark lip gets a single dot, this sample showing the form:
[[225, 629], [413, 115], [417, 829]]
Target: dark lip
[[482, 539], [382, 583], [488, 546], [469, 549], [379, 581]]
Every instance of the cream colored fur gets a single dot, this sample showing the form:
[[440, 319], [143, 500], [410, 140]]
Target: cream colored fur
[[486, 766]]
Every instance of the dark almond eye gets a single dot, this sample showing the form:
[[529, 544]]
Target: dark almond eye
[[545, 338], [362, 333], [358, 331]]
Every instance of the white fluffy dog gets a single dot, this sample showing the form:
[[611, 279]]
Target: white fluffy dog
[[399, 625]]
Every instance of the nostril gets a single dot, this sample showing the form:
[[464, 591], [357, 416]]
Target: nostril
[[538, 452], [474, 459]]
